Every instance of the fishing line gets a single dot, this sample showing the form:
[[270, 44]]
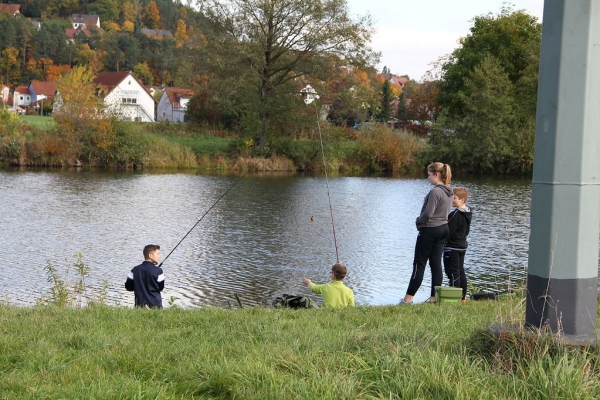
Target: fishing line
[[204, 215], [337, 255]]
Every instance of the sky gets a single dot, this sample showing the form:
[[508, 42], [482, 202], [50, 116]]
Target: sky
[[411, 34]]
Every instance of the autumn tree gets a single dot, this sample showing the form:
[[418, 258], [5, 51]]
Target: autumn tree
[[143, 73], [152, 16], [92, 58], [181, 35], [10, 66], [83, 123], [280, 41], [53, 72], [353, 94]]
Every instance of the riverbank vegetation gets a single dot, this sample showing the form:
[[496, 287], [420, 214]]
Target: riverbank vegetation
[[405, 352], [111, 143]]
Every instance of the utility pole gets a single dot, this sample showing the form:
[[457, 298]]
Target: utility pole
[[562, 280]]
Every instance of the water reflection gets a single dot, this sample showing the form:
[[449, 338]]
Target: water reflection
[[258, 241]]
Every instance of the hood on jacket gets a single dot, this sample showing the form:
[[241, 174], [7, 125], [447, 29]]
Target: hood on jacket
[[447, 189], [466, 212]]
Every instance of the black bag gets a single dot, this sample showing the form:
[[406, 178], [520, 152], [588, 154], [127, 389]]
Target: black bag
[[293, 301]]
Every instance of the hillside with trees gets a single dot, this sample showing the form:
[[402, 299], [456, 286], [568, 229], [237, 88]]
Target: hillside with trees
[[248, 62]]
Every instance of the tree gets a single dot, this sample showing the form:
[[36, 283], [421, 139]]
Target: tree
[[10, 70], [80, 115], [488, 92], [143, 73], [181, 35], [152, 16], [279, 41], [512, 37], [107, 10], [86, 56], [401, 110], [386, 99], [352, 95]]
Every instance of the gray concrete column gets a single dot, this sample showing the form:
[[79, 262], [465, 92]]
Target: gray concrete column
[[562, 286]]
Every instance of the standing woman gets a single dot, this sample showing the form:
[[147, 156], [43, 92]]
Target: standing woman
[[433, 231]]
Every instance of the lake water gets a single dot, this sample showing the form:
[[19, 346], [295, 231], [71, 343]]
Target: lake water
[[258, 241]]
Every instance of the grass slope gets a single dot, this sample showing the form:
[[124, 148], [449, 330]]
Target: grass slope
[[406, 352]]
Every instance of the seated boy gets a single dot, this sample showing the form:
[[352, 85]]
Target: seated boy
[[335, 293], [459, 225]]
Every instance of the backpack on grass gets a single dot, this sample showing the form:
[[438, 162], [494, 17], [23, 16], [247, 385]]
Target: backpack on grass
[[293, 301]]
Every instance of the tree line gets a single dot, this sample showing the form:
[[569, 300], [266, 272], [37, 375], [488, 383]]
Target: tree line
[[248, 60]]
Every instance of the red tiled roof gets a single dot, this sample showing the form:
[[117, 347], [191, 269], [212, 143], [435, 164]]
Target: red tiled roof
[[12, 9], [176, 94], [110, 80], [22, 89], [46, 88], [43, 87], [70, 32]]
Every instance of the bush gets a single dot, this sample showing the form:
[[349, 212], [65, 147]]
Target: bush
[[382, 149]]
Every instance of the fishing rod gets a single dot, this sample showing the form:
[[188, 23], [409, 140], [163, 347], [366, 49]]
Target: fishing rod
[[202, 217], [337, 255]]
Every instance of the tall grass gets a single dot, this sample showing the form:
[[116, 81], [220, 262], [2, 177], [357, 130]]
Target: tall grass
[[422, 351]]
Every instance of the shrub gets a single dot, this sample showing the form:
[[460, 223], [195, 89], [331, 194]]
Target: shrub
[[382, 149]]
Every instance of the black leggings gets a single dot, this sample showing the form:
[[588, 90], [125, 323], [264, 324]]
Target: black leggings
[[430, 246], [454, 267]]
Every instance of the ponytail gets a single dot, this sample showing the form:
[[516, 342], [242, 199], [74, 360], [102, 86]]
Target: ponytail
[[443, 170]]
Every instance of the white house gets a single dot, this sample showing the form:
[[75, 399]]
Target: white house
[[82, 21], [21, 96], [173, 103], [126, 96]]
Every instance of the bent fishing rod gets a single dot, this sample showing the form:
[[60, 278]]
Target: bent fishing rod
[[202, 217]]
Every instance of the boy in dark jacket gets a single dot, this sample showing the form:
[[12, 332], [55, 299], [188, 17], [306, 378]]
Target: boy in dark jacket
[[147, 280], [459, 225]]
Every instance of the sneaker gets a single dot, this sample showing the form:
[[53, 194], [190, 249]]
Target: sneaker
[[405, 303]]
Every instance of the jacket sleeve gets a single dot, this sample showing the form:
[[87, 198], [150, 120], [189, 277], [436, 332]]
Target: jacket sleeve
[[316, 288], [351, 300], [161, 281], [129, 282]]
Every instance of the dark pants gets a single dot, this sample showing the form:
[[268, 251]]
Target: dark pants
[[430, 246], [454, 267]]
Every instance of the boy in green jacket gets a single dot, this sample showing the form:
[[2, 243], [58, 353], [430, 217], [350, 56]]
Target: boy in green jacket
[[335, 293]]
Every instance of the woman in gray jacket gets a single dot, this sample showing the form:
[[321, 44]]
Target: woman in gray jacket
[[433, 231]]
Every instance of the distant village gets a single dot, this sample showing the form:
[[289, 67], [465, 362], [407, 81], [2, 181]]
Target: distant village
[[122, 90]]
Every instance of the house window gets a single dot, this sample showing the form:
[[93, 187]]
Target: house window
[[129, 97], [20, 97]]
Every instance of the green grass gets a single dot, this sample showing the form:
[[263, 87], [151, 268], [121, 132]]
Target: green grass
[[202, 144], [407, 352], [38, 121]]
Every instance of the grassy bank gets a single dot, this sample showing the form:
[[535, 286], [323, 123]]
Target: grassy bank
[[42, 141], [409, 352]]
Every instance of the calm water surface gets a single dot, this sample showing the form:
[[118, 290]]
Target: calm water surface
[[258, 241]]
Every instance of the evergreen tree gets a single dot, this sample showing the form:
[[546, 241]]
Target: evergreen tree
[[386, 99]]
